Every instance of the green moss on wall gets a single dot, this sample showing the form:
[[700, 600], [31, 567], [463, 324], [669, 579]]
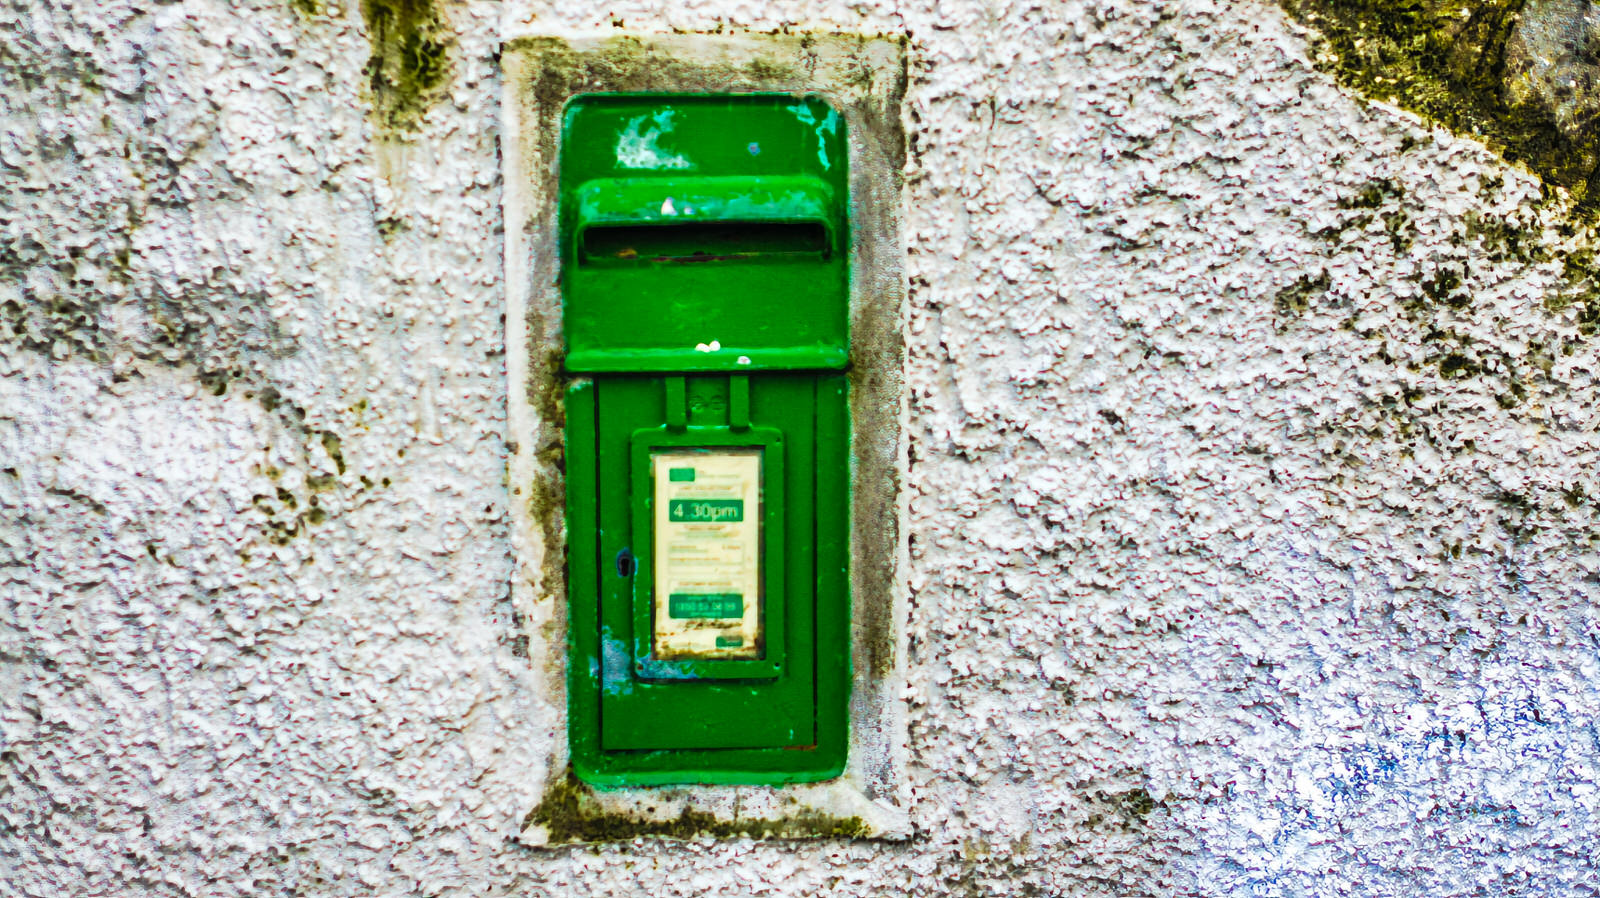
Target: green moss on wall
[[409, 62], [1373, 195], [629, 63], [1446, 60], [1297, 297], [570, 813], [1126, 810]]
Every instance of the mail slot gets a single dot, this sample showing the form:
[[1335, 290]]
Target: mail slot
[[705, 280], [724, 241]]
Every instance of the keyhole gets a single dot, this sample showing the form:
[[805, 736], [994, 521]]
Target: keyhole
[[626, 564]]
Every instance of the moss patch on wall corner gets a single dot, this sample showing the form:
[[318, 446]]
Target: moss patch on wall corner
[[570, 813], [1467, 66], [409, 63], [628, 62]]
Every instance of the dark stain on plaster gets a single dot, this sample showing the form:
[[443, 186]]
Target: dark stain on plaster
[[1453, 63], [1444, 288], [58, 326], [1581, 294], [877, 360], [1126, 810], [546, 493], [1297, 297], [570, 813], [73, 495], [64, 326], [87, 291], [1445, 307], [331, 445], [209, 334], [1373, 195], [518, 641], [409, 63], [632, 64], [973, 868], [292, 513]]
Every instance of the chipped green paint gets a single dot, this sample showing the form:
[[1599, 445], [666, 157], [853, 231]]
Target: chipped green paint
[[1446, 60], [409, 62], [570, 813]]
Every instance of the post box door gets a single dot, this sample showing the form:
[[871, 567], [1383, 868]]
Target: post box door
[[645, 708]]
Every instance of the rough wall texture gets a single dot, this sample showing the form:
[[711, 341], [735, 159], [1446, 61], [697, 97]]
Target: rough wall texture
[[1252, 440]]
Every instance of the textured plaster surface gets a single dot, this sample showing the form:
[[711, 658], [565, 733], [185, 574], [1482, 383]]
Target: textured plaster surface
[[1251, 473]]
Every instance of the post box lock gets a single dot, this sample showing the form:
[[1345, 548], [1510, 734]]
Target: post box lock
[[705, 250], [626, 563]]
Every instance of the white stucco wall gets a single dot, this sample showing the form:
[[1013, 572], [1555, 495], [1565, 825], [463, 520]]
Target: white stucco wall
[[1210, 594]]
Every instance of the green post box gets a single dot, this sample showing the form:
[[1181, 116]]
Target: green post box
[[704, 247]]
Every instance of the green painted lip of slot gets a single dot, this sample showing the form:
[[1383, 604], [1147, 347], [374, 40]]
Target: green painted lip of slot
[[681, 201], [742, 359]]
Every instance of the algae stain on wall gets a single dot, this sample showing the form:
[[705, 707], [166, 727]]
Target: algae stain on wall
[[1515, 74], [1522, 77], [568, 814], [410, 61]]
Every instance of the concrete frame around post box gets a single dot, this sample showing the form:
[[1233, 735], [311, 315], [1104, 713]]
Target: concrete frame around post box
[[864, 77]]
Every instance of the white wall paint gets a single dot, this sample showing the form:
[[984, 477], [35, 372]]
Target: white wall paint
[[1164, 537]]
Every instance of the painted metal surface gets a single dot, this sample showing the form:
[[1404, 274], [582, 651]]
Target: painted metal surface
[[639, 720], [703, 233]]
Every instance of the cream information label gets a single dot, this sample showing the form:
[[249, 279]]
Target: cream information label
[[707, 554]]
